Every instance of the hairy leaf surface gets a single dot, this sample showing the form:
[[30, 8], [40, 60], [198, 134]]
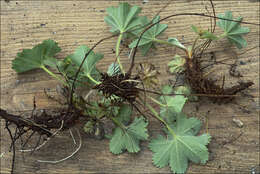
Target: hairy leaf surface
[[128, 137], [34, 58], [233, 30], [177, 64], [149, 37], [123, 18], [176, 150], [89, 66]]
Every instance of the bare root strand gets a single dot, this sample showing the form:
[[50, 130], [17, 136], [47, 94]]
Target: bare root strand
[[14, 138], [36, 145], [40, 146], [201, 85], [63, 159], [72, 136], [27, 140]]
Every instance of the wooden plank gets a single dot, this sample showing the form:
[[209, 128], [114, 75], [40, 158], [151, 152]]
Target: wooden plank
[[73, 23]]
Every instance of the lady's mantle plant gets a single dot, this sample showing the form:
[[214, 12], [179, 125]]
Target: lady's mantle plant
[[181, 141]]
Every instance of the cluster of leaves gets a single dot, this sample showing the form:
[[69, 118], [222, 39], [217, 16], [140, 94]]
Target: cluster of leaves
[[232, 31], [180, 143]]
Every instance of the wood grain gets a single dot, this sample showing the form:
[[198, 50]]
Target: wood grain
[[73, 23]]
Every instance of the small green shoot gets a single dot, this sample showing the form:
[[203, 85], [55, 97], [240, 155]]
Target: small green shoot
[[177, 65], [204, 34], [177, 43]]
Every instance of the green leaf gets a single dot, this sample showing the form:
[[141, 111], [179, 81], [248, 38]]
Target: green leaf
[[34, 58], [64, 65], [173, 107], [184, 89], [173, 104], [51, 62], [183, 147], [208, 35], [123, 18], [69, 70], [233, 30], [195, 29], [113, 69], [149, 37], [128, 137], [204, 34], [89, 127], [177, 65], [167, 113], [124, 114], [166, 89], [176, 43], [89, 66]]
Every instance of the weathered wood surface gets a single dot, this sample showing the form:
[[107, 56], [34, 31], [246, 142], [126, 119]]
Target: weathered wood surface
[[73, 23]]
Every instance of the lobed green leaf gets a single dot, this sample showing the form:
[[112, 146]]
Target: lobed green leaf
[[233, 30], [89, 66], [177, 43], [123, 18], [149, 38], [128, 138], [177, 150], [36, 57], [177, 65]]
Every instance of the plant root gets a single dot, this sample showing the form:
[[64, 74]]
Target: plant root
[[201, 85], [119, 85]]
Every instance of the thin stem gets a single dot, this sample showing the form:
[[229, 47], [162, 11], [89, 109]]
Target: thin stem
[[193, 46], [93, 80], [157, 102], [160, 119], [63, 159], [53, 75], [118, 123], [222, 36], [117, 52], [169, 43]]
